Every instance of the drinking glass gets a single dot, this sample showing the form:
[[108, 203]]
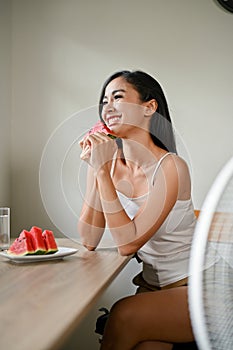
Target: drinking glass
[[4, 228]]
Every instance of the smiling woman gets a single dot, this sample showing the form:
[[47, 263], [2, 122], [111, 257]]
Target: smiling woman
[[161, 130], [140, 189]]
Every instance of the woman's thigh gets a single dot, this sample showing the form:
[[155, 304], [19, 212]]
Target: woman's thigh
[[161, 316]]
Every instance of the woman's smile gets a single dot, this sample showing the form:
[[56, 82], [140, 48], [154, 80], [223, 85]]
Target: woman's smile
[[113, 119]]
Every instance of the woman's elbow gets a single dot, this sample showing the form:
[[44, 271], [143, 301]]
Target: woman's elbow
[[89, 247], [90, 236], [127, 250], [85, 242]]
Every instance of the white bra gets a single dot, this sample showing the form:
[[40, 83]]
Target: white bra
[[153, 175], [132, 204]]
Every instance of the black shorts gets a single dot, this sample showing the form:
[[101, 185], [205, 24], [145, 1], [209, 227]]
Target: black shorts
[[185, 346]]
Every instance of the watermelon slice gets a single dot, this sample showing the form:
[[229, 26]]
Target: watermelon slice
[[98, 127], [22, 245], [50, 243], [38, 241], [34, 242]]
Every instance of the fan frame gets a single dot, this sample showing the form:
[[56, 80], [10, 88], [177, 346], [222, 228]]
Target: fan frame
[[195, 291]]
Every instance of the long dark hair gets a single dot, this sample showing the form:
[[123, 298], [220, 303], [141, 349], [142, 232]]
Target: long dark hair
[[161, 129]]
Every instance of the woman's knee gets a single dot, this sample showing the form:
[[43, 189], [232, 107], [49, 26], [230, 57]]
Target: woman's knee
[[121, 311], [122, 316]]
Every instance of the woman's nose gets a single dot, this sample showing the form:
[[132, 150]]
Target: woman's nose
[[109, 106]]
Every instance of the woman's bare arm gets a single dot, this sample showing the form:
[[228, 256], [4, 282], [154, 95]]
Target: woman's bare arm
[[91, 223]]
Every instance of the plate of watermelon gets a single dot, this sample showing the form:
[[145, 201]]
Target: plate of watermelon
[[36, 245]]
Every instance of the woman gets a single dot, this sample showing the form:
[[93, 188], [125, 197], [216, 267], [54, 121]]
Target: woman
[[141, 189]]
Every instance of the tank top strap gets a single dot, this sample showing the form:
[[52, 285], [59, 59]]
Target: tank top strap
[[157, 166]]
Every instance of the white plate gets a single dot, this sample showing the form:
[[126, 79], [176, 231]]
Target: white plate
[[61, 253]]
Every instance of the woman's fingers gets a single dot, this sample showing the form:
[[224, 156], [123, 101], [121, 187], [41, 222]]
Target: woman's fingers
[[98, 136], [95, 137], [85, 152], [97, 149]]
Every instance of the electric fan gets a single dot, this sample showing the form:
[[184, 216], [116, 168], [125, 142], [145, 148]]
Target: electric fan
[[211, 267]]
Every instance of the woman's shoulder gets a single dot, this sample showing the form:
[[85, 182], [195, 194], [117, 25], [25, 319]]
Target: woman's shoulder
[[172, 161]]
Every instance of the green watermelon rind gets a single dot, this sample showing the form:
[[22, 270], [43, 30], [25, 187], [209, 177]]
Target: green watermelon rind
[[10, 252], [51, 251], [39, 252], [111, 136]]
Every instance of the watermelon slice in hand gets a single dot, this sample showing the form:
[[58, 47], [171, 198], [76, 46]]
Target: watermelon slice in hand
[[98, 127]]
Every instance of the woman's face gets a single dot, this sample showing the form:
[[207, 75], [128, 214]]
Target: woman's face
[[122, 107]]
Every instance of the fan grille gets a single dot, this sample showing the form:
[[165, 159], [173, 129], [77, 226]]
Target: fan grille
[[218, 279], [211, 267]]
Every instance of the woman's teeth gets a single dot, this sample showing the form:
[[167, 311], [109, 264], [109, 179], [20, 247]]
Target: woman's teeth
[[113, 120]]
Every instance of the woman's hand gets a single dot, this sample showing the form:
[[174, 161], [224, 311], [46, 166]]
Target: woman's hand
[[86, 149], [98, 150]]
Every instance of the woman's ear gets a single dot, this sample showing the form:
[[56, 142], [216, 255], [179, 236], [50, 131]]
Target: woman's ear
[[150, 107]]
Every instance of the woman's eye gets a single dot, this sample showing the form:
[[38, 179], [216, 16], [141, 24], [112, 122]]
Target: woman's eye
[[116, 97]]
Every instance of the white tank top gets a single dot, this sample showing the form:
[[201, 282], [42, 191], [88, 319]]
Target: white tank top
[[166, 255]]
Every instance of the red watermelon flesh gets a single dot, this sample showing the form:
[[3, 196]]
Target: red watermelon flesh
[[22, 245], [38, 241], [50, 243], [100, 127]]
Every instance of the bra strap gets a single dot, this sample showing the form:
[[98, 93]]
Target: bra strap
[[157, 166]]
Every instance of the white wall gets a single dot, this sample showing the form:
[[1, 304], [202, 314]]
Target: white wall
[[63, 50], [5, 101]]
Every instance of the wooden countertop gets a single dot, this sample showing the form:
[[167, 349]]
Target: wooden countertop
[[42, 302]]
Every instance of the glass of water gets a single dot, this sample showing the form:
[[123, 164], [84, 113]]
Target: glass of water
[[4, 228]]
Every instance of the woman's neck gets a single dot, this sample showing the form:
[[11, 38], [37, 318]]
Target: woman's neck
[[141, 153]]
